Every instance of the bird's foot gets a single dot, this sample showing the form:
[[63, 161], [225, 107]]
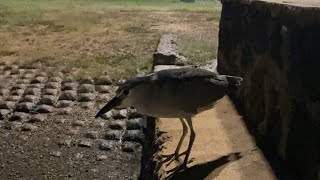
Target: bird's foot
[[178, 169], [173, 157], [170, 158], [174, 171]]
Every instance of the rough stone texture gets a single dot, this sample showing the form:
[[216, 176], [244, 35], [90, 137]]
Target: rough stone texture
[[137, 123], [133, 135], [85, 143], [32, 91], [65, 142], [4, 92], [29, 98], [166, 52], [57, 74], [55, 79], [86, 105], [103, 97], [52, 92], [19, 116], [65, 111], [274, 47], [13, 125], [48, 100], [101, 157], [104, 80], [15, 72], [25, 107], [17, 92], [121, 114], [106, 145], [44, 109], [87, 80], [68, 95], [7, 104], [69, 86], [117, 124], [103, 89], [67, 79], [108, 115], [163, 67], [92, 134], [22, 81], [304, 3], [18, 86], [65, 103], [114, 134], [38, 80], [85, 97], [131, 147], [38, 118], [13, 98], [86, 88], [26, 76], [52, 85], [28, 127], [37, 85], [78, 123], [4, 113]]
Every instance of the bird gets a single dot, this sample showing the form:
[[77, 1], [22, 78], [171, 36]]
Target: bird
[[174, 93]]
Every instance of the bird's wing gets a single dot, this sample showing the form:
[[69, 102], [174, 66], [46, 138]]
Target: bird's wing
[[168, 74], [132, 83], [182, 74]]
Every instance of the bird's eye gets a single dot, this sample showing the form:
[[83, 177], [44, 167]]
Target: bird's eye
[[126, 92]]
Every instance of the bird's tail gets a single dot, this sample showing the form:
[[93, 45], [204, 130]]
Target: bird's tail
[[234, 82], [114, 102]]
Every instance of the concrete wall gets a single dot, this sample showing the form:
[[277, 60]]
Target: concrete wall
[[276, 49]]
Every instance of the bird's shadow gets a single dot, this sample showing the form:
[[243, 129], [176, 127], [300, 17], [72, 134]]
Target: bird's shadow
[[212, 168]]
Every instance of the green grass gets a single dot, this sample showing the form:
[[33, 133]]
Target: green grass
[[97, 37], [197, 52]]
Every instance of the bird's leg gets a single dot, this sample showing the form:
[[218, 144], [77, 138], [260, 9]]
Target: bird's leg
[[184, 133], [185, 162], [176, 154], [192, 137]]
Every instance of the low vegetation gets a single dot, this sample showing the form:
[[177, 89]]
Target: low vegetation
[[98, 37]]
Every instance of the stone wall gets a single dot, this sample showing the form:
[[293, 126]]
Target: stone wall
[[276, 49]]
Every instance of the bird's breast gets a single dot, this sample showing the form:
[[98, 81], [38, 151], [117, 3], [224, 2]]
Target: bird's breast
[[172, 99]]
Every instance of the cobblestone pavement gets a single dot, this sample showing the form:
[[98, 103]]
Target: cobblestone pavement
[[48, 130]]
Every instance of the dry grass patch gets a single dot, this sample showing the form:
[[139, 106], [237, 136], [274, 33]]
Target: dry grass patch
[[98, 37]]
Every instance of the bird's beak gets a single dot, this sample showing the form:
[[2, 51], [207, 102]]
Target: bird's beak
[[110, 105]]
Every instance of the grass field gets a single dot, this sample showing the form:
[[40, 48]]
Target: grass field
[[97, 37]]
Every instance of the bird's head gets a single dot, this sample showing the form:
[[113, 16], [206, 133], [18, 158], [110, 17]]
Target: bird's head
[[123, 96], [120, 101]]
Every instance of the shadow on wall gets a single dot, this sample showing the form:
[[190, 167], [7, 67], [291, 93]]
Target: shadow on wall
[[275, 48]]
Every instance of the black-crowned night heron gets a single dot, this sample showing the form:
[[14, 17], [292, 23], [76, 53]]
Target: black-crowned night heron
[[174, 93]]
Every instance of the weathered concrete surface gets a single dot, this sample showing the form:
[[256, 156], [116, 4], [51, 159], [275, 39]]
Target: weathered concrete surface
[[220, 133], [300, 3], [275, 48], [166, 51]]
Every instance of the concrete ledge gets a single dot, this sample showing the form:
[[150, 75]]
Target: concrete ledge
[[166, 52], [299, 3]]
